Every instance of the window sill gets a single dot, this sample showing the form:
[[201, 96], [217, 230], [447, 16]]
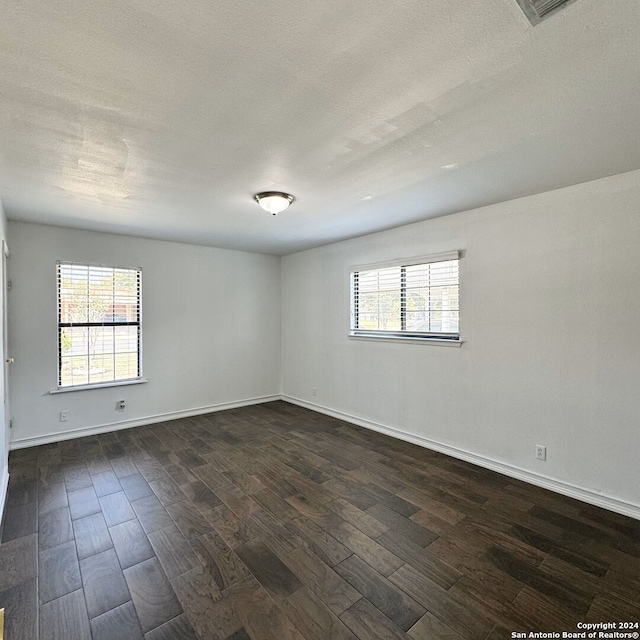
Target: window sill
[[100, 385], [439, 342]]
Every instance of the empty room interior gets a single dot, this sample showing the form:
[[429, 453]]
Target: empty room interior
[[320, 320]]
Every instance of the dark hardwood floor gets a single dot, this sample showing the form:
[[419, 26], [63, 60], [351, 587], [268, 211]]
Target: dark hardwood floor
[[274, 522]]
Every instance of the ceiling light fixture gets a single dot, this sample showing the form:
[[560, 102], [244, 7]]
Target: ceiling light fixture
[[273, 202]]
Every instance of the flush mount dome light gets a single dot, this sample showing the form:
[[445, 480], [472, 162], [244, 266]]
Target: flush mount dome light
[[273, 202]]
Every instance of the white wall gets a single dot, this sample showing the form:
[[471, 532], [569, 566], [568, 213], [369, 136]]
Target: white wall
[[4, 430], [211, 329], [550, 316]]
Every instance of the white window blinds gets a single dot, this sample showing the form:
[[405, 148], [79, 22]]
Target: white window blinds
[[99, 329], [416, 299]]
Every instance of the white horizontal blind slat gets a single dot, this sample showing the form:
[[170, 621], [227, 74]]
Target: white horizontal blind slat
[[99, 336], [417, 299]]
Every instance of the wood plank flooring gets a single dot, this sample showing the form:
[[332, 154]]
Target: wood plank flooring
[[272, 521]]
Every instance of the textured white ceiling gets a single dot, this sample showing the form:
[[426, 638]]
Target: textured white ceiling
[[161, 118]]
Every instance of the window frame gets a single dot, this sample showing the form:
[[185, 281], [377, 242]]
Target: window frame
[[60, 326], [452, 339]]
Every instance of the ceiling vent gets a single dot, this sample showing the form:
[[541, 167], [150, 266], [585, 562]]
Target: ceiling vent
[[538, 10]]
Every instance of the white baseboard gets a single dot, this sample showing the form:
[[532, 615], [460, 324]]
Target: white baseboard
[[34, 441], [4, 486], [564, 488]]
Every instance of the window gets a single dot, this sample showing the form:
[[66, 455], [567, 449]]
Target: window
[[99, 335], [415, 299]]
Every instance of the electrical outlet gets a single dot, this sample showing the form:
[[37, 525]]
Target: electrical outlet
[[541, 452], [64, 416], [121, 405], [314, 391]]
